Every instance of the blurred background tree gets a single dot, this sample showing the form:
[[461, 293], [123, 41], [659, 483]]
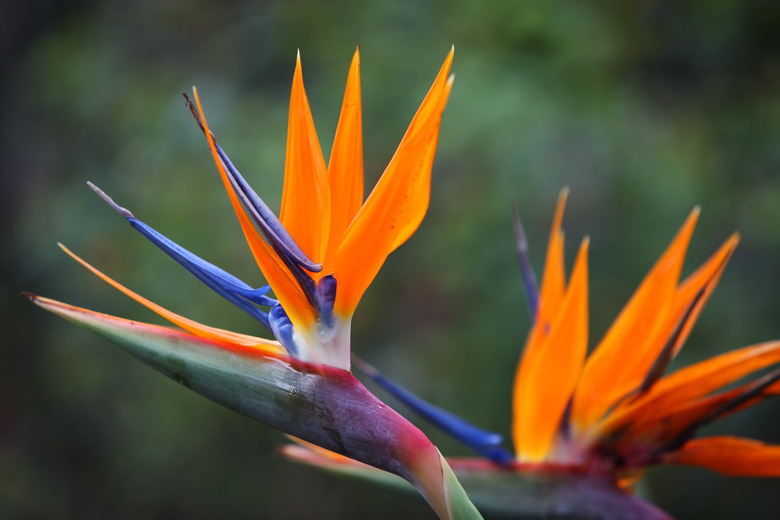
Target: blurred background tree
[[643, 108]]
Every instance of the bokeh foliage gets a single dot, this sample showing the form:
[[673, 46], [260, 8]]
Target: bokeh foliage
[[643, 108]]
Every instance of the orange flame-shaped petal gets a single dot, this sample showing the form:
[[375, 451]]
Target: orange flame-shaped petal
[[550, 297], [397, 204], [305, 211], [730, 456], [191, 326], [704, 279], [553, 371], [345, 169], [276, 273], [614, 370], [691, 384]]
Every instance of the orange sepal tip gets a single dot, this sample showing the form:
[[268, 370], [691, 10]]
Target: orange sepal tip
[[397, 203]]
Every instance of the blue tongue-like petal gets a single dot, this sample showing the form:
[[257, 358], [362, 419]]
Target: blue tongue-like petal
[[484, 442], [269, 225], [273, 230], [225, 284], [282, 328], [527, 272]]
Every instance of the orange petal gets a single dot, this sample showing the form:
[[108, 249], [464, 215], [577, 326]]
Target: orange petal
[[414, 203], [557, 369], [692, 383], [661, 429], [313, 455], [277, 275], [629, 478], [690, 299], [305, 211], [550, 297], [317, 451], [102, 324], [553, 286], [730, 456], [345, 169], [657, 427], [628, 350], [397, 204], [706, 277], [554, 281], [193, 327], [285, 287]]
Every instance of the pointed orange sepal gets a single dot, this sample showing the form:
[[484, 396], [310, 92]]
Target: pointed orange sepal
[[657, 428], [550, 296], [551, 292], [730, 456], [397, 204], [554, 281], [345, 169], [193, 327], [305, 210], [704, 279], [553, 372], [699, 380], [691, 384], [646, 322], [169, 335], [315, 451], [422, 137], [689, 301], [277, 275]]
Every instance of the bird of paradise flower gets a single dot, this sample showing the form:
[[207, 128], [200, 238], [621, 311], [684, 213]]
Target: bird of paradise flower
[[318, 257], [614, 410], [586, 427]]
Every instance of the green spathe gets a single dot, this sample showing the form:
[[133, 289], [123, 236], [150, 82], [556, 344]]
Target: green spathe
[[514, 492], [320, 404]]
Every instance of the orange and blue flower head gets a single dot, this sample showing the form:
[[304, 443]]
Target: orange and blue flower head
[[614, 411], [327, 245], [605, 417], [318, 257]]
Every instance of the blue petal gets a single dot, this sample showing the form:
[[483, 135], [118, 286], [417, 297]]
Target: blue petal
[[282, 328], [325, 298], [527, 272], [226, 285], [482, 441], [273, 230]]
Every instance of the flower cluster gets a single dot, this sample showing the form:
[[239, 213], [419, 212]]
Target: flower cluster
[[318, 258], [614, 411], [584, 426]]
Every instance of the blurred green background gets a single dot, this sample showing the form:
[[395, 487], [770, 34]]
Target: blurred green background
[[643, 108]]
